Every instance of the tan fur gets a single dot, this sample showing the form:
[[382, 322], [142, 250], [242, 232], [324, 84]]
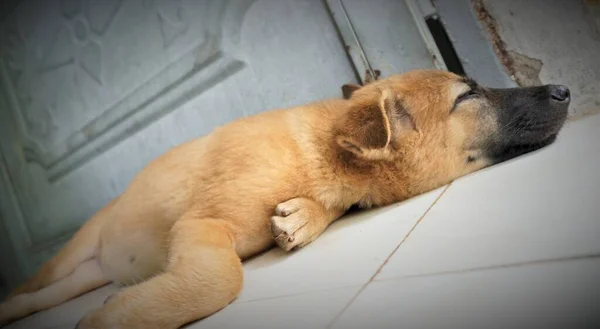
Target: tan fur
[[178, 233]]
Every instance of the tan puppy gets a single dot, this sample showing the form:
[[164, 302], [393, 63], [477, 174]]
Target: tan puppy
[[187, 220]]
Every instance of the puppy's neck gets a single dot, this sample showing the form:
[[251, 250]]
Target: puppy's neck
[[341, 178], [381, 182]]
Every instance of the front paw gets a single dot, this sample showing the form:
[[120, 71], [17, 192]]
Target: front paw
[[292, 225]]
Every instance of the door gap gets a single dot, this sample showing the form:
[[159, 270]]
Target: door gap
[[444, 44]]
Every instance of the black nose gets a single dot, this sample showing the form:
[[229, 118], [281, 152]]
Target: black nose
[[559, 93]]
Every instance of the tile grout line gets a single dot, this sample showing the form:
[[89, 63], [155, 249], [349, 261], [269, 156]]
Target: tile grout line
[[494, 267], [301, 293], [364, 286], [409, 232]]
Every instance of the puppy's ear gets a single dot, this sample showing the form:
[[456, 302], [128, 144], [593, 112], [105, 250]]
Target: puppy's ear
[[368, 131], [348, 89]]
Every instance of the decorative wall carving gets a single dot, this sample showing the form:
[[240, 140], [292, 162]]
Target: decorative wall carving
[[91, 72], [80, 76]]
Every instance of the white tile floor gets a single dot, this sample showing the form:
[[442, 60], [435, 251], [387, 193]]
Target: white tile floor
[[513, 246]]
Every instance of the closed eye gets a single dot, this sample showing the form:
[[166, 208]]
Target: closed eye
[[472, 93]]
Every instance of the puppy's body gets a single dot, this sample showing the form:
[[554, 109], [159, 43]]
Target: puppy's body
[[237, 174], [178, 234]]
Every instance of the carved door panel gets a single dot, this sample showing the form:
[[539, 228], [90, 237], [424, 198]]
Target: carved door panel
[[92, 90]]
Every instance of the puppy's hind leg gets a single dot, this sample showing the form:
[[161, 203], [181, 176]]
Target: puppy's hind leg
[[204, 274], [73, 271], [82, 246], [86, 277]]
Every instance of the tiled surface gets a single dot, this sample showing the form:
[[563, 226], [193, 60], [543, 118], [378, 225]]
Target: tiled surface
[[311, 310], [347, 254], [550, 296], [540, 206]]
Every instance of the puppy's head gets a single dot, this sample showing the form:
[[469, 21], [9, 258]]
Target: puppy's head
[[434, 126]]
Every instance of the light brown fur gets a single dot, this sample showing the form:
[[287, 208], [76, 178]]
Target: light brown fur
[[177, 235]]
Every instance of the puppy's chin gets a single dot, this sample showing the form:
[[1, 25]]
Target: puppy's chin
[[514, 150]]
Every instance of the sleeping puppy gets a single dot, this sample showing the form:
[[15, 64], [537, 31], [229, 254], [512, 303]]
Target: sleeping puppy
[[186, 222]]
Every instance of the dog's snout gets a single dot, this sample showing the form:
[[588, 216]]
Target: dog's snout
[[559, 93]]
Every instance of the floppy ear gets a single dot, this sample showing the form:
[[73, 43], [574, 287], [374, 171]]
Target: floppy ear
[[369, 131], [348, 89]]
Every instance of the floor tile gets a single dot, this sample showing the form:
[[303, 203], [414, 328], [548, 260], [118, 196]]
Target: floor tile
[[544, 205], [551, 296], [347, 254], [312, 310]]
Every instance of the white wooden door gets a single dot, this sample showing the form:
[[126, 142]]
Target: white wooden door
[[92, 90]]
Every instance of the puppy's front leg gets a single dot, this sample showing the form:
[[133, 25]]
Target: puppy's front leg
[[299, 221]]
